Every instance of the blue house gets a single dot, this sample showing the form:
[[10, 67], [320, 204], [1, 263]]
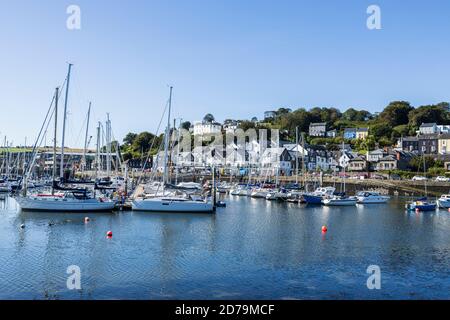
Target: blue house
[[350, 133]]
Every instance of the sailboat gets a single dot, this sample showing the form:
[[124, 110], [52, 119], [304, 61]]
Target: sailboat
[[172, 200], [66, 199], [422, 204], [340, 200]]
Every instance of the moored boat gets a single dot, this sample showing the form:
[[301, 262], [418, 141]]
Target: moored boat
[[369, 197]]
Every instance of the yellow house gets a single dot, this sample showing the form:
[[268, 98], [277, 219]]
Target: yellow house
[[444, 143], [362, 133]]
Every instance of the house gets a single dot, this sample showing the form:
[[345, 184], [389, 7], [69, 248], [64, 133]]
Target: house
[[270, 115], [362, 133], [396, 161], [428, 144], [428, 128], [230, 126], [358, 163], [318, 129], [345, 157], [350, 133], [356, 133], [207, 128], [276, 160], [410, 144], [376, 155], [444, 143]]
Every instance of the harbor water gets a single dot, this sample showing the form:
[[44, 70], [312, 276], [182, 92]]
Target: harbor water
[[252, 249]]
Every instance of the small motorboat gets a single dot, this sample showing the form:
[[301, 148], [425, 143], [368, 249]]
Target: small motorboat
[[421, 205], [368, 197], [444, 201]]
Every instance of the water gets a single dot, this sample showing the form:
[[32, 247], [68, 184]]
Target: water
[[253, 249]]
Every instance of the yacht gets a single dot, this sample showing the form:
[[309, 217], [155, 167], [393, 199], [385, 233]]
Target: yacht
[[368, 197], [169, 198], [69, 201], [173, 204]]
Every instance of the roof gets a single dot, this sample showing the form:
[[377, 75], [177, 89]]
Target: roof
[[429, 136], [410, 139], [424, 125], [350, 130], [317, 124], [362, 129], [389, 158], [444, 136]]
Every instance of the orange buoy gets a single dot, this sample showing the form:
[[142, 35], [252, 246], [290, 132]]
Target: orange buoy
[[324, 229], [109, 234]]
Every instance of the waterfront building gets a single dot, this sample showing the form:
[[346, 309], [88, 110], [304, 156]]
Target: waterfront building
[[444, 143], [399, 160], [428, 144], [318, 129], [357, 164], [410, 144], [376, 155]]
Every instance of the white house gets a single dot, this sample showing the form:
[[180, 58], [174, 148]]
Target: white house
[[203, 127]]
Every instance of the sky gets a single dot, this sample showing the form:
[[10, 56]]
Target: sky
[[232, 58]]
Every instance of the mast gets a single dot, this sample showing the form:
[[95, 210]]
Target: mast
[[108, 146], [54, 139], [166, 141], [97, 153], [86, 138], [61, 172], [296, 155]]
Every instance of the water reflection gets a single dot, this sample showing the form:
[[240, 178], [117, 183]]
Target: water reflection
[[251, 249]]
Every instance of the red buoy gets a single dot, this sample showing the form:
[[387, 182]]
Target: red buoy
[[324, 229], [109, 234]]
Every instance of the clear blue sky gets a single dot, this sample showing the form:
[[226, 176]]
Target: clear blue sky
[[234, 59]]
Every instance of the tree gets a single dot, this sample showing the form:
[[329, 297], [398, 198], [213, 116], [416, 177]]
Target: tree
[[209, 118], [381, 130], [429, 113], [396, 113], [186, 125], [356, 115], [129, 138]]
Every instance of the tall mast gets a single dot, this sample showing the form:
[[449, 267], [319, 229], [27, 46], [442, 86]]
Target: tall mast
[[108, 146], [166, 141], [61, 172], [54, 139], [97, 153], [86, 138], [296, 155]]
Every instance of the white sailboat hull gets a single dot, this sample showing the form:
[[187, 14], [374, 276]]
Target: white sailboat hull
[[63, 205], [372, 200], [169, 205]]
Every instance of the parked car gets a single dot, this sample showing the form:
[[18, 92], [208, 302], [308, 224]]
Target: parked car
[[395, 177], [442, 179], [419, 178]]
